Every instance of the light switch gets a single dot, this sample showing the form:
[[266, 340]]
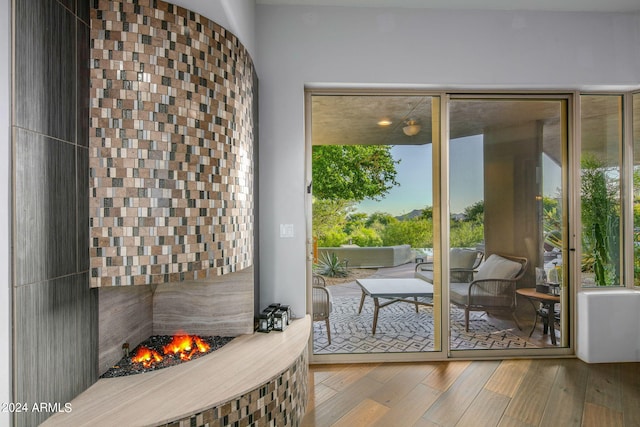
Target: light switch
[[286, 231]]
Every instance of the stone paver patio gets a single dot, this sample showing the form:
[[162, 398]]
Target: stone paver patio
[[401, 329]]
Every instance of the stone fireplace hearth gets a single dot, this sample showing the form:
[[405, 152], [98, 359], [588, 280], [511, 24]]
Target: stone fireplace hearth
[[258, 379]]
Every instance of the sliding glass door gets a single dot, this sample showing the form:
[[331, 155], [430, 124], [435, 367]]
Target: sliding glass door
[[373, 223], [439, 225], [508, 238]]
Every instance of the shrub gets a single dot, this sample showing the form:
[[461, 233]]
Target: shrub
[[365, 237]]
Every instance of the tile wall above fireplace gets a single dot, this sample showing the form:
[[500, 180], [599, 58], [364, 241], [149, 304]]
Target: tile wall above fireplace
[[171, 146]]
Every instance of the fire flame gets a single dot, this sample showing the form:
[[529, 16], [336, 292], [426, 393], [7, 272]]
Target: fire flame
[[185, 346], [146, 356], [182, 346], [203, 347]]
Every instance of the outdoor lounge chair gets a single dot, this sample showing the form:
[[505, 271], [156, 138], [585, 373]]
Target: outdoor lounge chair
[[321, 303], [493, 287], [462, 264]]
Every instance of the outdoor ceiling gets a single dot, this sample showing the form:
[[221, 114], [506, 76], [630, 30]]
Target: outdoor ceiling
[[549, 5], [353, 119]]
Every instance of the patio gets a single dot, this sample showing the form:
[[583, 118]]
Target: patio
[[401, 329]]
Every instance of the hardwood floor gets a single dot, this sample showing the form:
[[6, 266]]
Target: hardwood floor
[[523, 392]]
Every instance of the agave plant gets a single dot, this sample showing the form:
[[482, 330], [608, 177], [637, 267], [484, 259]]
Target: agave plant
[[329, 265]]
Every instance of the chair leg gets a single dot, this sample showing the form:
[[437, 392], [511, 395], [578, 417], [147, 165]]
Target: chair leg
[[326, 321], [466, 319]]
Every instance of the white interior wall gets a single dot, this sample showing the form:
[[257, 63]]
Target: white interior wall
[[381, 47], [5, 207]]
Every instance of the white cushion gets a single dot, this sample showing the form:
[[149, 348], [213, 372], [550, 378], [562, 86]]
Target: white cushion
[[462, 258], [497, 267]]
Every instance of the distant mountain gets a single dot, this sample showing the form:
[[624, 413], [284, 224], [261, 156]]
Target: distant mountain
[[418, 212], [413, 214]]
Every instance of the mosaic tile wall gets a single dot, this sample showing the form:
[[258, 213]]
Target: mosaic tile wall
[[279, 403], [171, 146]]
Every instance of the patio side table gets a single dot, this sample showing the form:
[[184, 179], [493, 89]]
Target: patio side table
[[548, 303]]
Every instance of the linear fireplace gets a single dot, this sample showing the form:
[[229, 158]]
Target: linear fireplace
[[163, 351], [222, 306]]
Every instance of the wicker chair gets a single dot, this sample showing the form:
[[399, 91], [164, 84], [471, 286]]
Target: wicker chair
[[493, 288], [321, 303]]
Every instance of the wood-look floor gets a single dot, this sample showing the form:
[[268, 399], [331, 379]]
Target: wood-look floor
[[523, 392]]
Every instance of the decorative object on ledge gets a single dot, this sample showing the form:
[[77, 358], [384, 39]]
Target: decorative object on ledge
[[276, 317], [171, 147], [265, 321]]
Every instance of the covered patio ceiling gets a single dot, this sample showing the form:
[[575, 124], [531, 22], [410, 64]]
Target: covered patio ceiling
[[354, 119]]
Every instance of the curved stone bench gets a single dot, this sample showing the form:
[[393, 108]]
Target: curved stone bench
[[254, 377]]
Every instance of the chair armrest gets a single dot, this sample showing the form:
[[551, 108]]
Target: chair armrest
[[464, 270], [424, 266]]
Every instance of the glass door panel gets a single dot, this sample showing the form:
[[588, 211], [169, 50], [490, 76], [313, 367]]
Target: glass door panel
[[508, 202], [600, 195], [373, 223], [636, 189]]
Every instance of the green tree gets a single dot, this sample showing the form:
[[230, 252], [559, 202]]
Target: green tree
[[416, 232], [333, 239], [355, 221], [353, 172], [475, 212], [379, 218], [365, 237], [466, 234], [636, 196], [427, 213], [551, 223], [330, 216], [600, 222]]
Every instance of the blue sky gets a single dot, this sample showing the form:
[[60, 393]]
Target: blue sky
[[414, 176], [466, 178]]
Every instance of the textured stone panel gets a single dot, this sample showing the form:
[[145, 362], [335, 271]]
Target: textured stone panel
[[45, 68], [56, 342], [171, 147], [45, 207], [221, 305], [82, 92], [82, 192], [126, 315], [55, 313]]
